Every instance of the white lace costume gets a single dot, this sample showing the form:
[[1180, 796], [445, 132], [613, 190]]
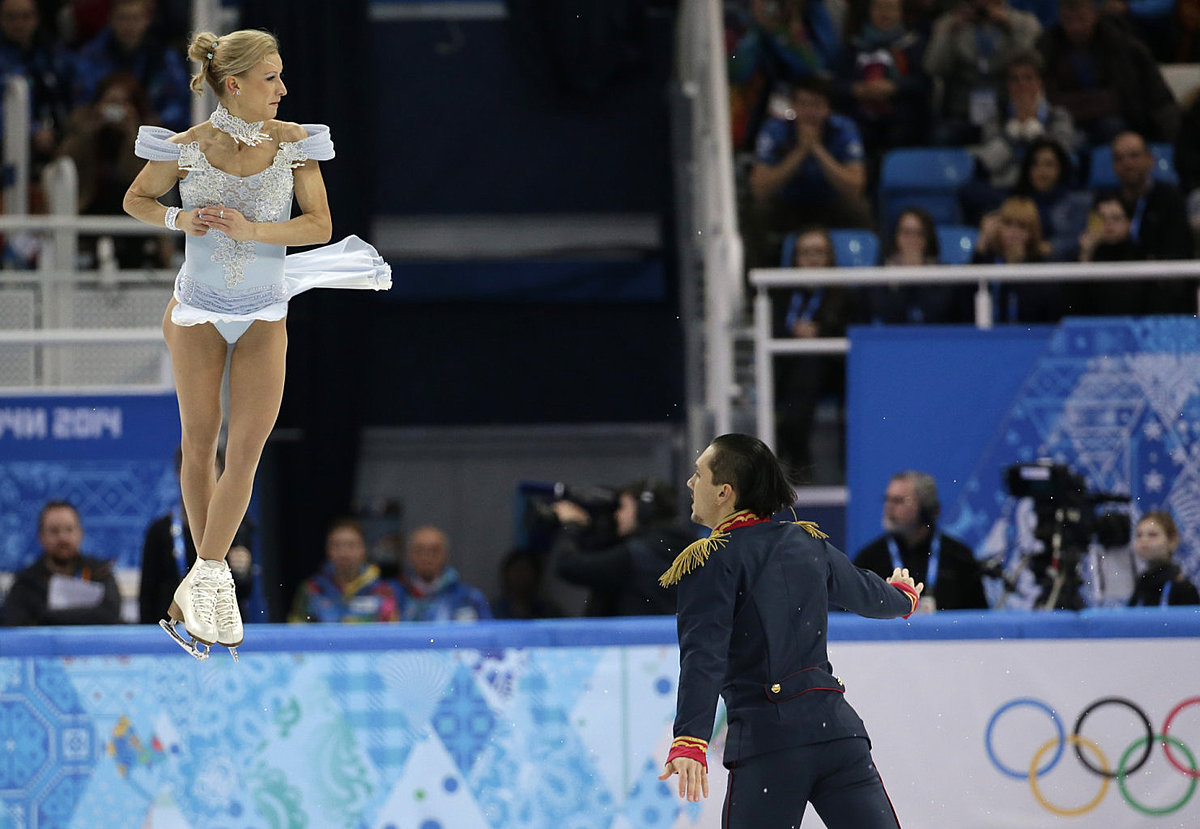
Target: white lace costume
[[231, 284]]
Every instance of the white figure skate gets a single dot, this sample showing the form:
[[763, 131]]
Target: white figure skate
[[195, 604], [228, 617]]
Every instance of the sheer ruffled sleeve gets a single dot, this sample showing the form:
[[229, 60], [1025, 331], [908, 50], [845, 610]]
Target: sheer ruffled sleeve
[[153, 144], [318, 145]]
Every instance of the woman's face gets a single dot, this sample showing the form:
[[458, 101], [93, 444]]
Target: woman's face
[[1045, 170], [1014, 233], [1150, 541], [910, 236], [1114, 224], [813, 251], [261, 90]]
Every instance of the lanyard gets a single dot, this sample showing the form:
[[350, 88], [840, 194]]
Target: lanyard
[[935, 552], [1166, 594], [177, 541], [1135, 224]]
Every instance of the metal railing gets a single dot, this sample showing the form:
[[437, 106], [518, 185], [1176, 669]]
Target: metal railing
[[767, 346]]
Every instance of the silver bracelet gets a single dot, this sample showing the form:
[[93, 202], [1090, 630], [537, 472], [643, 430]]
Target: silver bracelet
[[171, 220]]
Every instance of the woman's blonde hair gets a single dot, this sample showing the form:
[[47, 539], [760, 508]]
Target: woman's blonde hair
[[1023, 210], [232, 54]]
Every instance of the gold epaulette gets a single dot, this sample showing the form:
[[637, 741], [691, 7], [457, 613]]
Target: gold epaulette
[[693, 556], [812, 528]]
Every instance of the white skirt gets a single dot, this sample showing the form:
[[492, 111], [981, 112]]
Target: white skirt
[[350, 263]]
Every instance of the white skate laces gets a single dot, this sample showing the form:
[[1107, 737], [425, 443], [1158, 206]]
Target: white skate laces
[[228, 617]]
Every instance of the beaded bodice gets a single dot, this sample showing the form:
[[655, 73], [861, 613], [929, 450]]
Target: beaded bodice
[[219, 272], [263, 197]]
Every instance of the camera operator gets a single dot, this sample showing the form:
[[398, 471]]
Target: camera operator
[[622, 564], [912, 541]]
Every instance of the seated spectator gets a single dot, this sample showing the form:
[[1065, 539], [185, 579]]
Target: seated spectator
[[773, 43], [1045, 176], [432, 588], [521, 589], [809, 169], [1185, 36], [1013, 236], [1157, 208], [911, 539], [1105, 77], [347, 588], [124, 46], [622, 564], [1162, 583], [968, 52], [803, 379], [169, 551], [881, 82], [63, 587], [100, 140], [1025, 118], [1108, 239], [915, 243], [28, 51]]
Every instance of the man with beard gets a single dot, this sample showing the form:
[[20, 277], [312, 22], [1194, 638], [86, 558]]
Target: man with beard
[[63, 587]]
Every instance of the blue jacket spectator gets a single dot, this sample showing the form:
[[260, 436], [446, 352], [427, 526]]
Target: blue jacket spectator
[[123, 45], [346, 589], [433, 591], [28, 52], [769, 44]]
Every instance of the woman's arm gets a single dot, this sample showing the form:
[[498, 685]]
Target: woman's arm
[[141, 199]]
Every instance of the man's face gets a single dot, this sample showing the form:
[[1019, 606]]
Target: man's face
[[129, 23], [1132, 162], [1078, 22], [346, 550], [900, 507], [708, 507], [18, 21], [428, 552], [1024, 84], [60, 534], [626, 515], [811, 108]]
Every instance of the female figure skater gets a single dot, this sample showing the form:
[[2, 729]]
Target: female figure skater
[[237, 173]]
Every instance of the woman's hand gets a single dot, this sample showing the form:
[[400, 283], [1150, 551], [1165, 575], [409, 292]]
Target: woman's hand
[[227, 220], [190, 223]]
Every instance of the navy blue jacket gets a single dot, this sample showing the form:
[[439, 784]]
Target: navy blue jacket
[[752, 627]]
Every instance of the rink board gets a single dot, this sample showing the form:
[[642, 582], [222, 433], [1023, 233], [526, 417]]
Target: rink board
[[565, 724]]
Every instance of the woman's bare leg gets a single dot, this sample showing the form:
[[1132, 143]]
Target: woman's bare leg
[[198, 363], [256, 373]]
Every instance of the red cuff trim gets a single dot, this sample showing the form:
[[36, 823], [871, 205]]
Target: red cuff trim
[[913, 596], [690, 747]]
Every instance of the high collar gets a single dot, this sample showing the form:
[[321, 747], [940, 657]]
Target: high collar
[[250, 134]]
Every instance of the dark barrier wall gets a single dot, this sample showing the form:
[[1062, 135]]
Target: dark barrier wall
[[537, 112]]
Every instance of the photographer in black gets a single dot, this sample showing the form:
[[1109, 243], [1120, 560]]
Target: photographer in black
[[620, 546]]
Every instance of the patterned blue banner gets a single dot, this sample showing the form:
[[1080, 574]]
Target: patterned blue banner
[[1117, 400], [111, 456]]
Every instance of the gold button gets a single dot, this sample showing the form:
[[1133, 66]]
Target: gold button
[[775, 689]]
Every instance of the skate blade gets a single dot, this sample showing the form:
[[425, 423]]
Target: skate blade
[[190, 647], [233, 652]]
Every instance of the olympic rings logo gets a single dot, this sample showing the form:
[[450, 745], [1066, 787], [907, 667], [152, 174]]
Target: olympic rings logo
[[1131, 759]]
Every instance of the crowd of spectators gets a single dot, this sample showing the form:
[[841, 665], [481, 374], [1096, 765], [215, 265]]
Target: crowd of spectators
[[823, 90], [95, 70]]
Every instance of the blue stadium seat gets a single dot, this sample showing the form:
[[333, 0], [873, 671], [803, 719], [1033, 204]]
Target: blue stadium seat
[[855, 248], [956, 243], [928, 177], [852, 248], [1100, 170]]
